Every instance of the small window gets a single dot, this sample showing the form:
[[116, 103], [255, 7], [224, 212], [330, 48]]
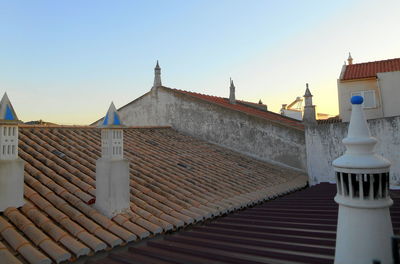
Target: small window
[[4, 150], [10, 131], [13, 131], [5, 131], [8, 150], [369, 98], [12, 149]]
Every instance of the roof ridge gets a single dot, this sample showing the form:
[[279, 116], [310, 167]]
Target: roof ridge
[[373, 61], [250, 110]]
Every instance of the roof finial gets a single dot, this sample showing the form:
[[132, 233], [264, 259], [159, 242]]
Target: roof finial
[[112, 118], [350, 59], [157, 76], [232, 98], [7, 112], [307, 93]]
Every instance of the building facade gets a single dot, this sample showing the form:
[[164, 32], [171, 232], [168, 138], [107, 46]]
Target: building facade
[[241, 126], [377, 82]]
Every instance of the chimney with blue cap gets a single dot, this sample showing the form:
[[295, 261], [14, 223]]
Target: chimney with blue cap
[[112, 170], [11, 166], [364, 226]]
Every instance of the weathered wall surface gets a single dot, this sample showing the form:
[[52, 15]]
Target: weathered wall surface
[[324, 144], [241, 132], [389, 83], [345, 88]]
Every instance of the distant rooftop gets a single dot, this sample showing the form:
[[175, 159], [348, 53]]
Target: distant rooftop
[[370, 69], [245, 107]]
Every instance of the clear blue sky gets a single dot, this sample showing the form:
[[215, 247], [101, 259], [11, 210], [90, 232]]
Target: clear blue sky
[[65, 61]]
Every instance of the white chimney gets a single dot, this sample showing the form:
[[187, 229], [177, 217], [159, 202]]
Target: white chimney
[[11, 166], [112, 170], [364, 227], [309, 109], [350, 59], [232, 98], [157, 77]]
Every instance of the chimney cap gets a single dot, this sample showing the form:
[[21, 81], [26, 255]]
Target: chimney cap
[[111, 119], [359, 156], [357, 99], [350, 59], [7, 113], [307, 93]]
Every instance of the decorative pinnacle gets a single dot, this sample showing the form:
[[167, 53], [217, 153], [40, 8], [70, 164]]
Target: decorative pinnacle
[[157, 76], [7, 112], [307, 93], [232, 98], [111, 118], [359, 143], [350, 59]]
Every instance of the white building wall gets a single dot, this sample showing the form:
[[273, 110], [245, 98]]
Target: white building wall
[[292, 114], [389, 83], [324, 144], [241, 132], [345, 90]]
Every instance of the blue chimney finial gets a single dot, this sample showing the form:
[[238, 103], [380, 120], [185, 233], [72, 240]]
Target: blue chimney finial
[[357, 99]]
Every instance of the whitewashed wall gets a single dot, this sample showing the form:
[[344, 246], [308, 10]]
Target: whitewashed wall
[[324, 144], [238, 131]]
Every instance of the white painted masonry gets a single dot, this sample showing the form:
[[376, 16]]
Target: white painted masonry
[[112, 170], [11, 166], [364, 227], [324, 145], [254, 136]]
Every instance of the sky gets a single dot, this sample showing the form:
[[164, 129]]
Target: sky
[[65, 61]]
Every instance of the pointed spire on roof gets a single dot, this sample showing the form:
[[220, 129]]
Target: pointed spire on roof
[[350, 59], [157, 76], [7, 112], [232, 98], [260, 102], [307, 93], [112, 118]]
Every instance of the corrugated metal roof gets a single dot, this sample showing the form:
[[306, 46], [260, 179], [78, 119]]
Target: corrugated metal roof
[[296, 228]]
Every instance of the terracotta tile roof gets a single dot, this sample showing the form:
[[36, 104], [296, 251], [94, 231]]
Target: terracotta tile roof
[[370, 69], [176, 180], [297, 228], [245, 107], [331, 120]]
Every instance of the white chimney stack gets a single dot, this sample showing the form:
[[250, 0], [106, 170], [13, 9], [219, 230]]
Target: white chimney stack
[[309, 109], [350, 59], [157, 77], [11, 167], [112, 170], [364, 228], [232, 98]]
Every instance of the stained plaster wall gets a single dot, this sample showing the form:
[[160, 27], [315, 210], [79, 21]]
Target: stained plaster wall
[[346, 88], [389, 83], [324, 144], [241, 132]]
